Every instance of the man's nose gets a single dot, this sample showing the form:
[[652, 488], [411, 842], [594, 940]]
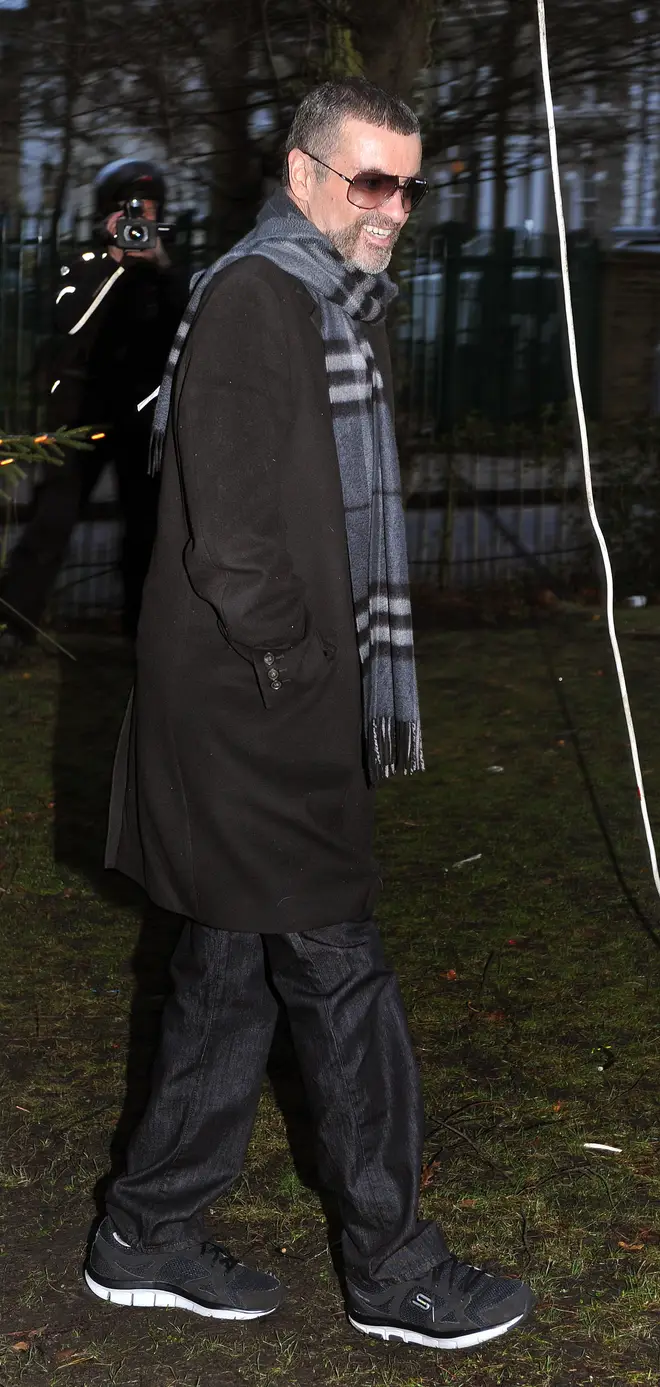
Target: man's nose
[[395, 207]]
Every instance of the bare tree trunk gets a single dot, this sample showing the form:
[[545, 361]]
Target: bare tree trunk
[[393, 41], [73, 67], [61, 180], [504, 76], [12, 41], [235, 173]]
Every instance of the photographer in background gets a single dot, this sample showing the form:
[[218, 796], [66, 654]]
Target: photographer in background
[[116, 312]]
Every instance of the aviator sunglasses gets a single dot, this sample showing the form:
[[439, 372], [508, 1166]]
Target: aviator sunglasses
[[371, 190]]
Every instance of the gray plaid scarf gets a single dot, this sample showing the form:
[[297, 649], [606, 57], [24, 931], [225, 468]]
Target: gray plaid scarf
[[368, 464]]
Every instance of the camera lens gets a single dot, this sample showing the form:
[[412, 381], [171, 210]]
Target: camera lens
[[137, 234]]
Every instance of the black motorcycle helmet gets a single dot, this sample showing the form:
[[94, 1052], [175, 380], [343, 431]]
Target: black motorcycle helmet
[[124, 179]]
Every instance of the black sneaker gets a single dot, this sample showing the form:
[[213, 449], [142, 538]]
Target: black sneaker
[[203, 1278], [453, 1306]]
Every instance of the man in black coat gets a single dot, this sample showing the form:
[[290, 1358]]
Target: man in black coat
[[275, 685], [115, 314]]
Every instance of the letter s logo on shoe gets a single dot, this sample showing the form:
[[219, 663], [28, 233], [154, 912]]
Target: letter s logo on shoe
[[423, 1301]]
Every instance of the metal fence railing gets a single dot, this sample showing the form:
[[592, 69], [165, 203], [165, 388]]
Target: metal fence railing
[[477, 335], [480, 329], [474, 519]]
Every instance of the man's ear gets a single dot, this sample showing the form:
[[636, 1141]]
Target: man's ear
[[299, 174]]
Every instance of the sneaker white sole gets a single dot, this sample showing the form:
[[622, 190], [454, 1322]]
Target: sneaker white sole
[[167, 1300], [413, 1336]]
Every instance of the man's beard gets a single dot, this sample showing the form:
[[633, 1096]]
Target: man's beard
[[357, 257]]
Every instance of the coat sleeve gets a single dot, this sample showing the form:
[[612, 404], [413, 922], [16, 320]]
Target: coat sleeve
[[233, 417]]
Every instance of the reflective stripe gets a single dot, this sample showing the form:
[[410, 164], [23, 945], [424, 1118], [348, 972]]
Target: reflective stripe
[[54, 386], [148, 399], [68, 289], [96, 301]]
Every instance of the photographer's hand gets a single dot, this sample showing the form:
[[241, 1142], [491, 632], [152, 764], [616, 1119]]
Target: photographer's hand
[[159, 255]]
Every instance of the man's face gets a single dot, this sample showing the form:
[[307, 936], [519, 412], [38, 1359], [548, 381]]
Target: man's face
[[365, 239], [149, 209]]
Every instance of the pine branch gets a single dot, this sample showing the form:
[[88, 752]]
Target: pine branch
[[21, 450]]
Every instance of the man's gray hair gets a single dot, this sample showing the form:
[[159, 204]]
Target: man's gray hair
[[317, 124]]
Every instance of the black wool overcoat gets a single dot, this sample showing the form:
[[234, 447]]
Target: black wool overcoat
[[240, 797]]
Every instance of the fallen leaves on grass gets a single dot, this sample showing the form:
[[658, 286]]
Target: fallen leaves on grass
[[496, 1016], [451, 975], [68, 1357], [429, 1171], [640, 1240], [25, 1338]]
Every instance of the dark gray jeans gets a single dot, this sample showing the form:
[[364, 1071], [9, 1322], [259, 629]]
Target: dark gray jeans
[[353, 1046]]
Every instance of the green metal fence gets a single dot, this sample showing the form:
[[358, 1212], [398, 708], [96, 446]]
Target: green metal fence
[[480, 329], [477, 337], [490, 477]]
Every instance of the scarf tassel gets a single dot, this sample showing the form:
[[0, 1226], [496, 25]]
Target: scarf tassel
[[393, 746]]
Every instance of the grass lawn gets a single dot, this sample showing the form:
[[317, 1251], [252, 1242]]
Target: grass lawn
[[529, 963]]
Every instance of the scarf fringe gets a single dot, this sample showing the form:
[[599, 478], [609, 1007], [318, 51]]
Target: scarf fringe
[[393, 746], [155, 459]]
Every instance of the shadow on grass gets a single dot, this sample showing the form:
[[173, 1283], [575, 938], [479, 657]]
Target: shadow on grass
[[93, 692], [647, 925]]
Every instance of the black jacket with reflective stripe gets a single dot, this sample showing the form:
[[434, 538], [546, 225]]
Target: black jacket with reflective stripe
[[114, 325]]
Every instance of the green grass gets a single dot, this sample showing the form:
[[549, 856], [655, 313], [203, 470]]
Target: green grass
[[531, 980]]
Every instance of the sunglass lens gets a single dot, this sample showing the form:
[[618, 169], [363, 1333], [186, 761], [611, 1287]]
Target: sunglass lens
[[413, 193], [369, 190]]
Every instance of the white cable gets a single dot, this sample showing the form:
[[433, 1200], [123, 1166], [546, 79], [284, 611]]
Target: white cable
[[584, 440]]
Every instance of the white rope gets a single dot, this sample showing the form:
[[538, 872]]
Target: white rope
[[584, 441]]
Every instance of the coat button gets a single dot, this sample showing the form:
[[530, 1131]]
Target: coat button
[[273, 675], [276, 684], [269, 659]]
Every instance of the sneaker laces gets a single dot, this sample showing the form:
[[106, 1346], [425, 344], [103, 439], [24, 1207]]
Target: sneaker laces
[[450, 1269], [217, 1254]]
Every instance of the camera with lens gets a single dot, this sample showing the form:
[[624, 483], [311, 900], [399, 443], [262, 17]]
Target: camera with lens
[[135, 231]]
